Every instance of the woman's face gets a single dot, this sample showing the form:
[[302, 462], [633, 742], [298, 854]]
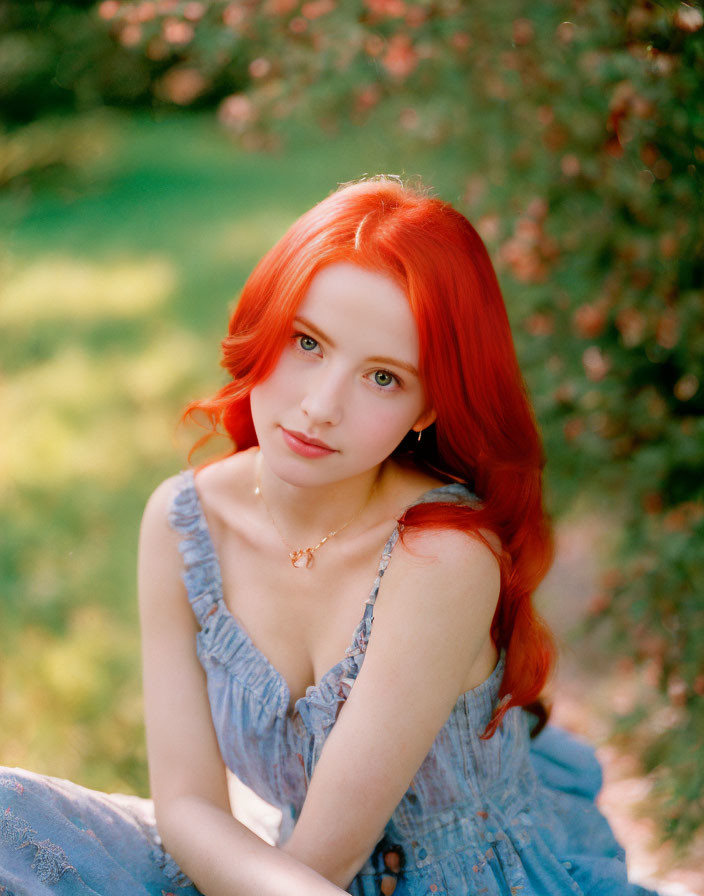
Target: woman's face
[[347, 377]]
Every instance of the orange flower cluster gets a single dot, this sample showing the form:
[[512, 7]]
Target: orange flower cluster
[[530, 251]]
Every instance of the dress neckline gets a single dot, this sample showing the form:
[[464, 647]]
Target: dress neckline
[[220, 605]]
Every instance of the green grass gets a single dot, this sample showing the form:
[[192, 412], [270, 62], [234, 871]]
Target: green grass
[[115, 288]]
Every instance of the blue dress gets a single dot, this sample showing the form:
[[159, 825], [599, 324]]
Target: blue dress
[[506, 816]]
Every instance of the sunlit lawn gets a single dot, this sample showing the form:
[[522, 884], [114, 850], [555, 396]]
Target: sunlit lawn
[[114, 294]]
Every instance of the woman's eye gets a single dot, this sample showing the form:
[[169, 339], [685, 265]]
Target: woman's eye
[[384, 378], [307, 343]]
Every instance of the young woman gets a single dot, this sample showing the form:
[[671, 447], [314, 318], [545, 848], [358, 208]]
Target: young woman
[[380, 427]]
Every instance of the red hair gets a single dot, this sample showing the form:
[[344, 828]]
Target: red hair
[[484, 435]]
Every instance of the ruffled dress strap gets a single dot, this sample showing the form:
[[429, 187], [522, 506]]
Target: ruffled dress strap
[[455, 492], [201, 569], [319, 707]]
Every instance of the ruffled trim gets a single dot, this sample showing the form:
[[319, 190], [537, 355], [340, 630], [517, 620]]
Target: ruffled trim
[[201, 574], [321, 704], [222, 639], [479, 702], [168, 865], [455, 490]]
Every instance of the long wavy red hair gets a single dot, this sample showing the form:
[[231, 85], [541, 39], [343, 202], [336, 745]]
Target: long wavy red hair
[[484, 435]]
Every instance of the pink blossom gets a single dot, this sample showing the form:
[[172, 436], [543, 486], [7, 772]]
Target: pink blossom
[[631, 325], [108, 9], [234, 15], [569, 164], [194, 11], [259, 67], [589, 320], [177, 32], [391, 9], [689, 18], [183, 85], [145, 12], [236, 111], [409, 118], [686, 387], [667, 331], [596, 364], [488, 227], [279, 7], [400, 58], [523, 32], [314, 9], [461, 41], [540, 324], [298, 25], [130, 35], [374, 45]]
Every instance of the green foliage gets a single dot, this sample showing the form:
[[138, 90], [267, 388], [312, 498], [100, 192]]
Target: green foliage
[[58, 60], [74, 56]]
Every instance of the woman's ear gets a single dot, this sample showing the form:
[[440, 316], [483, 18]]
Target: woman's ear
[[425, 419]]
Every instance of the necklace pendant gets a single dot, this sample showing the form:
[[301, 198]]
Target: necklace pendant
[[302, 559]]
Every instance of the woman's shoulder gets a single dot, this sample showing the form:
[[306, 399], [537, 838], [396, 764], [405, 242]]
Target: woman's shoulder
[[159, 502], [409, 482], [418, 486], [236, 470], [225, 487], [414, 484], [443, 580], [220, 480], [216, 485]]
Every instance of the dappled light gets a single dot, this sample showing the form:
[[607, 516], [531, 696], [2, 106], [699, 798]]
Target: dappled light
[[243, 238], [54, 288], [94, 416], [68, 679]]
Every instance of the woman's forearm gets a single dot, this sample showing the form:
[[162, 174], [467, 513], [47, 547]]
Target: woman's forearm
[[224, 858]]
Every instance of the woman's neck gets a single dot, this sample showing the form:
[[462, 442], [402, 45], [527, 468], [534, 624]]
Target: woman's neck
[[305, 514]]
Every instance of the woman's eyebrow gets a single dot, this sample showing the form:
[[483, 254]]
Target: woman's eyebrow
[[393, 362], [314, 330]]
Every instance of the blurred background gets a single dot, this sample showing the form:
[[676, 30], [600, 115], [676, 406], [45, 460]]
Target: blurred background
[[151, 152]]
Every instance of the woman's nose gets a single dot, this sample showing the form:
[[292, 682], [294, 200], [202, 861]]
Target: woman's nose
[[323, 400]]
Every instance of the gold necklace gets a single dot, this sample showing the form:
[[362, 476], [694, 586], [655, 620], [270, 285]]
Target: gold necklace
[[302, 558]]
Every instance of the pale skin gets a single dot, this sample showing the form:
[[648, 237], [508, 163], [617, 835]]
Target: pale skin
[[430, 640]]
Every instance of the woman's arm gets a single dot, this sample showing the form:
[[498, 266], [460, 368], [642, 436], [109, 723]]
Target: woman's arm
[[187, 775], [430, 633]]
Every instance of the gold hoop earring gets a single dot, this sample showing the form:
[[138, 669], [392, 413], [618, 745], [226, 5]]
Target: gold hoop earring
[[420, 433]]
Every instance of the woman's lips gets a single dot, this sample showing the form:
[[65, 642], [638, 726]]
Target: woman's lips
[[297, 443]]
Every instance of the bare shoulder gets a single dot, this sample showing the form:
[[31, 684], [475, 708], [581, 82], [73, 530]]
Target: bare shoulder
[[159, 563], [159, 502], [443, 544], [447, 557], [225, 486], [408, 481], [438, 598]]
